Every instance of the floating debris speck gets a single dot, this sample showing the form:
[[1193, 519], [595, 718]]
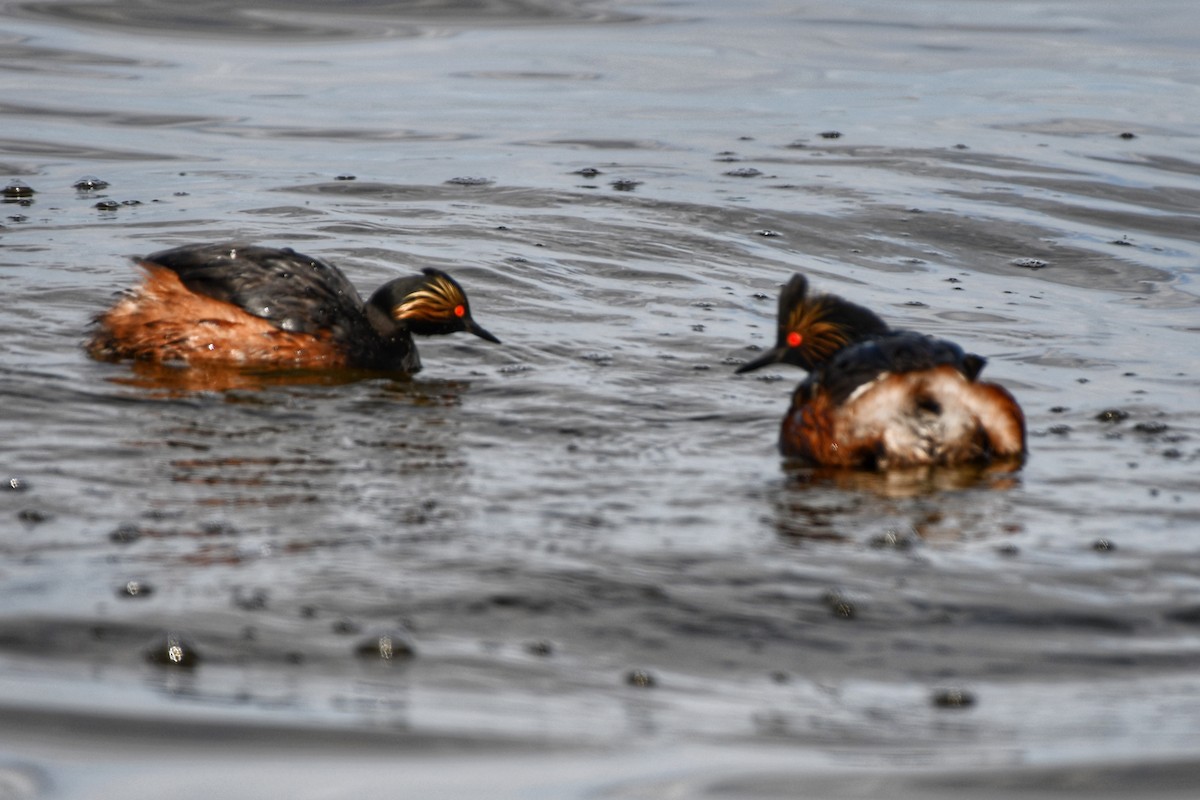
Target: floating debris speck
[[893, 540], [89, 183], [125, 534], [134, 588], [391, 645], [640, 678], [1029, 263], [540, 648], [469, 181], [17, 189], [839, 605], [953, 698], [172, 650], [31, 516]]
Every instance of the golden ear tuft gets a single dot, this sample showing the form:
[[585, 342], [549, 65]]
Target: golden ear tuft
[[438, 299], [814, 326]]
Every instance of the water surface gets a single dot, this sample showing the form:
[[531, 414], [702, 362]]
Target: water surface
[[613, 585]]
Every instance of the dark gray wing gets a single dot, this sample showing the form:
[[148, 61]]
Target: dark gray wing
[[898, 352], [293, 291]]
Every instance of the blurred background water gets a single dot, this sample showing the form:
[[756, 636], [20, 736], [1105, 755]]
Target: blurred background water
[[611, 585]]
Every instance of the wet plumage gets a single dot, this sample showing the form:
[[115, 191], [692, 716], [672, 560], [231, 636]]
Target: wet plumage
[[881, 398], [263, 307]]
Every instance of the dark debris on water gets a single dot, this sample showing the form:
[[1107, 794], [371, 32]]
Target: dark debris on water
[[540, 648], [125, 534], [640, 678], [953, 698], [839, 605]]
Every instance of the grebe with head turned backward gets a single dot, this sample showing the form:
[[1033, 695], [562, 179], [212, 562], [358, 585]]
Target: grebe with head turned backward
[[878, 398], [245, 305]]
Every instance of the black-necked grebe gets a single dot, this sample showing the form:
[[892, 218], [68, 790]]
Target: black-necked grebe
[[212, 304], [877, 398]]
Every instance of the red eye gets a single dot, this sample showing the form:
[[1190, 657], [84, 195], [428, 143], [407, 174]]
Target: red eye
[[794, 339], [460, 310]]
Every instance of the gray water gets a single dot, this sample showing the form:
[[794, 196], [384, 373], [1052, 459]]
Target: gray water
[[612, 584]]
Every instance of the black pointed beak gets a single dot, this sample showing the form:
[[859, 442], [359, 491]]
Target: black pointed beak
[[772, 356], [474, 328]]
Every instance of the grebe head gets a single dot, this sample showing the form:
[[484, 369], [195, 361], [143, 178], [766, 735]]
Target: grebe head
[[428, 304], [812, 328]]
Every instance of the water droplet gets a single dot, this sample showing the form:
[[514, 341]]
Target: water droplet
[[172, 650], [134, 588], [89, 183], [15, 189], [390, 645]]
